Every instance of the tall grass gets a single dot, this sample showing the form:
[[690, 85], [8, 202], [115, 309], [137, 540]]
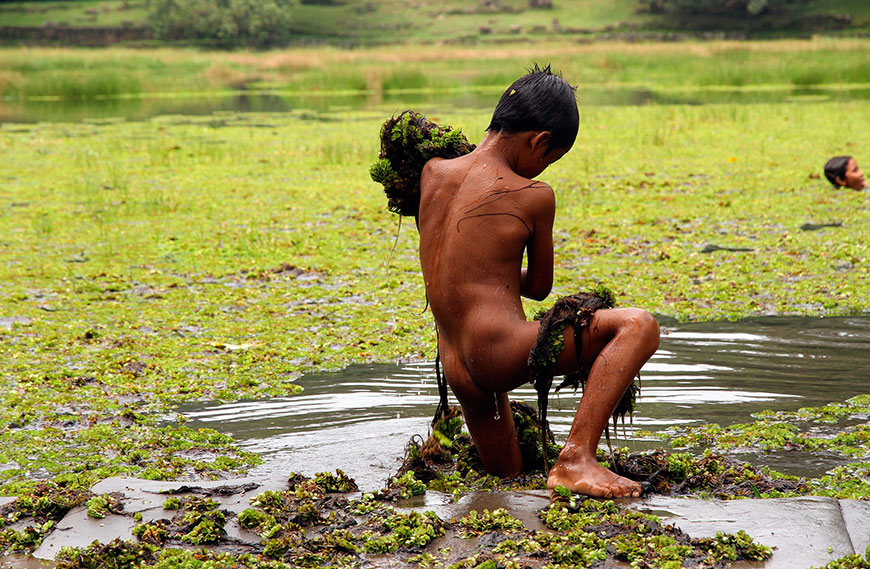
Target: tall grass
[[80, 85], [83, 74], [93, 73]]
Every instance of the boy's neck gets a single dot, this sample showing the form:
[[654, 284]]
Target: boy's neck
[[502, 147]]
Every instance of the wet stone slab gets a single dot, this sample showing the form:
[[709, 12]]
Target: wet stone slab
[[803, 532], [856, 515], [146, 497]]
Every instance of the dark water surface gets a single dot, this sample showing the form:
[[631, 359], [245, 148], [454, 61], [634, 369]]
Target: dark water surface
[[137, 107], [359, 419]]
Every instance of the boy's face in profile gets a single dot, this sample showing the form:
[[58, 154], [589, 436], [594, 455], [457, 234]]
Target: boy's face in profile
[[853, 177]]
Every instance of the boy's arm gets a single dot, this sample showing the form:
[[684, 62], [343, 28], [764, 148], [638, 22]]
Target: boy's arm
[[536, 280]]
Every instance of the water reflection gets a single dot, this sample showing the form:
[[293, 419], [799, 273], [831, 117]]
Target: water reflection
[[143, 107], [360, 418]]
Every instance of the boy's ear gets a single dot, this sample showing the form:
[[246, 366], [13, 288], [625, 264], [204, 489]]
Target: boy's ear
[[840, 181], [540, 140]]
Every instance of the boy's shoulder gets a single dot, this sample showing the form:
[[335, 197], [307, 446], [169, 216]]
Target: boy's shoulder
[[541, 197], [534, 189]]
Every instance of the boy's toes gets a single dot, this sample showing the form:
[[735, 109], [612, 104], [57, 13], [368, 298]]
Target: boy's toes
[[627, 489]]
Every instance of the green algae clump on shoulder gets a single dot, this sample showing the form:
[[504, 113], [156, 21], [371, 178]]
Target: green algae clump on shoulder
[[407, 142]]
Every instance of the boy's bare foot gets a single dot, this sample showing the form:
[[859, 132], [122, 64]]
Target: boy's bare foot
[[583, 475]]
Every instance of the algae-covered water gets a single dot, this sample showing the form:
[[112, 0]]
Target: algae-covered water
[[359, 419]]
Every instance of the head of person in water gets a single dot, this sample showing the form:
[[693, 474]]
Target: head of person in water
[[843, 171], [542, 102]]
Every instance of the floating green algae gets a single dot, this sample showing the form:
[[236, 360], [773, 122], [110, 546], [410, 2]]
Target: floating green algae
[[779, 430], [853, 408], [81, 457]]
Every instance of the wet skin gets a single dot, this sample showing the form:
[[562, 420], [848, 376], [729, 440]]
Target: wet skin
[[479, 214], [852, 178]]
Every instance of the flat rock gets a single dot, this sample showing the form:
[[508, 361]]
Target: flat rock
[[803, 532], [146, 497], [76, 529], [370, 453], [856, 515], [523, 505]]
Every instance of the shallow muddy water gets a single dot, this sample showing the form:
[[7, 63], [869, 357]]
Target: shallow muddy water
[[359, 419], [136, 107]]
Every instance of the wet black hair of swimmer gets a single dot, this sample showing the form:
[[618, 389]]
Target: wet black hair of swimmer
[[836, 168], [538, 101]]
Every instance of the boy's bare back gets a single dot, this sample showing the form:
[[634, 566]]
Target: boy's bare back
[[477, 218]]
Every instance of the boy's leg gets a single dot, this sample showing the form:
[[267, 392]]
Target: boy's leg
[[620, 341], [490, 422]]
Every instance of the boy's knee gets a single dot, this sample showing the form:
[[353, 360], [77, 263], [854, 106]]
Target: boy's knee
[[644, 327]]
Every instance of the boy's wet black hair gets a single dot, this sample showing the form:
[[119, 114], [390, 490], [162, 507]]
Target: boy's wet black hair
[[538, 101], [836, 168]]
